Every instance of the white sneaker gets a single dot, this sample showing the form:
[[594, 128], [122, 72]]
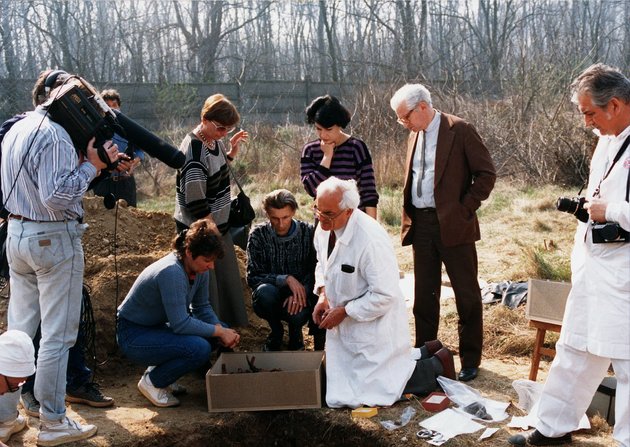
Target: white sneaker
[[12, 427], [160, 397], [53, 433]]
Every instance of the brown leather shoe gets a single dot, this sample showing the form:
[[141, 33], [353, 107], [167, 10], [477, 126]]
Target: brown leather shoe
[[448, 366], [433, 346]]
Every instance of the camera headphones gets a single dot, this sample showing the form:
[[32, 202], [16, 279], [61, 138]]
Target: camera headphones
[[49, 83]]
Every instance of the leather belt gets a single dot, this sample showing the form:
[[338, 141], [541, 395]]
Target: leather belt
[[26, 219], [18, 217], [425, 210]]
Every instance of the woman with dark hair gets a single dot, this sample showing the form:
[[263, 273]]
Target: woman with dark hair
[[166, 321], [337, 153], [203, 192]]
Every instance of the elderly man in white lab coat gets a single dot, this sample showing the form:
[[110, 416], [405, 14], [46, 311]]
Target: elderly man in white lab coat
[[596, 326], [368, 349]]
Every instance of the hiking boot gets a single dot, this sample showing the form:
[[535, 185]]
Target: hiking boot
[[30, 404], [88, 394], [7, 429], [160, 397], [537, 438], [53, 433]]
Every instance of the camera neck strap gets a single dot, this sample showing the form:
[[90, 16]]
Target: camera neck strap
[[612, 165]]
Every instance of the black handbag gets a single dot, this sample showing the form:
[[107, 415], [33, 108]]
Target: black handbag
[[241, 211]]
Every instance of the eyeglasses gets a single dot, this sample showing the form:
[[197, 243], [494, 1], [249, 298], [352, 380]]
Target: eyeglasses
[[12, 388], [325, 217], [221, 128], [405, 119]]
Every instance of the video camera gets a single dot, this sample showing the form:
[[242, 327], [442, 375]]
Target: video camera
[[86, 116]]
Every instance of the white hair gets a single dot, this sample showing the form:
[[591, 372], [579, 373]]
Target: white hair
[[349, 192], [411, 95]]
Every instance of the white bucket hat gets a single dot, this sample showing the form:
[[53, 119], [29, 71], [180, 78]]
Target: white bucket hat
[[17, 354]]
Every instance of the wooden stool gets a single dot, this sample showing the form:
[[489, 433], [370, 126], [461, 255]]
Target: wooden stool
[[539, 349]]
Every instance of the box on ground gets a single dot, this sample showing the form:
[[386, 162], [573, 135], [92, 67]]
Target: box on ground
[[295, 383], [546, 300], [604, 400], [435, 402]]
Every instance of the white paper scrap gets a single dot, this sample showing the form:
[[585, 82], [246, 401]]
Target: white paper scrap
[[450, 423], [487, 433]]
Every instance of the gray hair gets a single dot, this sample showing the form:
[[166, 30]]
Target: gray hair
[[278, 199], [411, 95], [349, 192], [602, 83]]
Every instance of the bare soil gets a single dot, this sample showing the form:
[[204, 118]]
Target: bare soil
[[119, 244]]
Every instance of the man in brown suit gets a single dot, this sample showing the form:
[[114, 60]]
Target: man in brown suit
[[449, 172]]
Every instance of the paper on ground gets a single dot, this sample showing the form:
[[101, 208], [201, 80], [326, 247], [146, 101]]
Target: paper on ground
[[451, 423], [487, 433]]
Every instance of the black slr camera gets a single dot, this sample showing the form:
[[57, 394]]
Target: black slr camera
[[575, 206], [602, 233]]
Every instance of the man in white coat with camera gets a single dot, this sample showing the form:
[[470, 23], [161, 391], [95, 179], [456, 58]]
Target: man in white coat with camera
[[596, 325], [368, 348]]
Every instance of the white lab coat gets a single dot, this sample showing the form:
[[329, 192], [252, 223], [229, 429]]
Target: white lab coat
[[596, 325], [368, 356], [597, 315]]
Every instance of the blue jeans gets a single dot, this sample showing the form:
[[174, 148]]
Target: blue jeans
[[267, 302], [46, 267], [173, 355]]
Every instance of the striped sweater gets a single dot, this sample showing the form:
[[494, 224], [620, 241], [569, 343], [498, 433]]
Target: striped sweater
[[202, 184], [270, 258], [351, 160]]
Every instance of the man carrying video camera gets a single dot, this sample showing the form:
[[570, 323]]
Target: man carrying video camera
[[596, 325], [44, 179]]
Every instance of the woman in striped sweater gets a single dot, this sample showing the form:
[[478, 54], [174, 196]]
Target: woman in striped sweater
[[203, 192], [337, 153]]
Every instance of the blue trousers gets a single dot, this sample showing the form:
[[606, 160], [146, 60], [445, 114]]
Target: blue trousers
[[173, 355], [267, 302]]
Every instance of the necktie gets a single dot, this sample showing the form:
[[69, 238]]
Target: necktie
[[331, 242], [421, 173]]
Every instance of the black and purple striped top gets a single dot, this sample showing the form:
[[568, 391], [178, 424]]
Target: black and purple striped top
[[351, 160]]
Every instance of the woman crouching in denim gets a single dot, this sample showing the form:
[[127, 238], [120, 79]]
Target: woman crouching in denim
[[166, 321]]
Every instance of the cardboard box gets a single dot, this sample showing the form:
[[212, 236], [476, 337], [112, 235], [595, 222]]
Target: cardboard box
[[546, 300], [297, 385], [604, 400], [435, 402]]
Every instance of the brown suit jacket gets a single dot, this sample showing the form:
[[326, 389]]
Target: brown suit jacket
[[464, 176]]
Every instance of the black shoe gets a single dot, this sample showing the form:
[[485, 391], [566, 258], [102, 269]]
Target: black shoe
[[272, 344], [537, 438], [88, 394], [467, 374]]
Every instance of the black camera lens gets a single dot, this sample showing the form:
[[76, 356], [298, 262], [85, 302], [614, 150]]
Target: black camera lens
[[567, 205], [573, 206]]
